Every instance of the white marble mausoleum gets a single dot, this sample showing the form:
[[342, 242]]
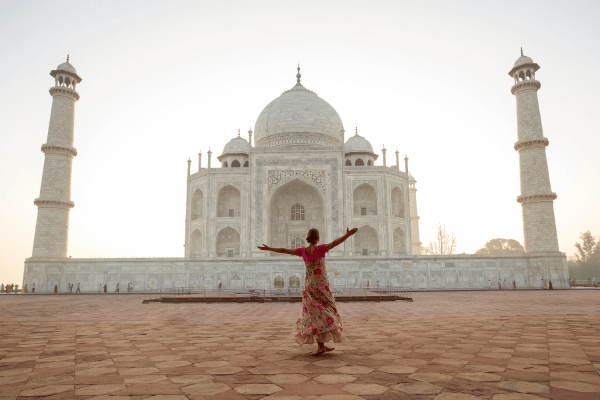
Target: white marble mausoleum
[[297, 170]]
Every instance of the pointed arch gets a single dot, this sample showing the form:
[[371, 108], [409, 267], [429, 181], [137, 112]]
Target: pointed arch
[[229, 202], [348, 163], [399, 241], [235, 164], [197, 205], [225, 164], [370, 162], [397, 203], [246, 164], [196, 245], [294, 208], [228, 243], [366, 241], [365, 200], [359, 162]]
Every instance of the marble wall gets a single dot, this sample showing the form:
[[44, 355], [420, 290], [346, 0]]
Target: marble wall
[[416, 272]]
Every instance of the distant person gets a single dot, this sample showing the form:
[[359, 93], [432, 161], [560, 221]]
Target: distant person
[[545, 284], [105, 288], [550, 285], [219, 285], [514, 284], [25, 289], [99, 288], [132, 287], [504, 284], [117, 289], [489, 284], [2, 288], [16, 288], [499, 285], [55, 288], [33, 287], [367, 285], [78, 289]]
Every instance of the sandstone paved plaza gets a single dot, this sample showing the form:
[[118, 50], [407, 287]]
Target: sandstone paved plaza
[[496, 345]]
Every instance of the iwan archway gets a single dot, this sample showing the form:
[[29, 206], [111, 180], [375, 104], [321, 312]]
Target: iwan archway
[[295, 207]]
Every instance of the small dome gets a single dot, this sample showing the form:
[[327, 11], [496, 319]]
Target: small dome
[[523, 60], [237, 145], [358, 144], [66, 66]]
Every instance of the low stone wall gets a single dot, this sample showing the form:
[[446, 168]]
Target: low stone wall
[[416, 272]]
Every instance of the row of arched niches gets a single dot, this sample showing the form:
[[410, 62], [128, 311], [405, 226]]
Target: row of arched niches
[[358, 162], [524, 75], [294, 208], [65, 81]]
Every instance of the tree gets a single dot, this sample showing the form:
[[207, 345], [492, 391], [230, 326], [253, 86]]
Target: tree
[[501, 246], [586, 261], [588, 249], [444, 243]]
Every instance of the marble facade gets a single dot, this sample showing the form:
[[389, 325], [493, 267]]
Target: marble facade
[[410, 272]]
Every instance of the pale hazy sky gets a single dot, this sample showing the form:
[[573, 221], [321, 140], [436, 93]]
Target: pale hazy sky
[[163, 80]]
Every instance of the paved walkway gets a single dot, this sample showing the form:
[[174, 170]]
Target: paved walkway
[[445, 346]]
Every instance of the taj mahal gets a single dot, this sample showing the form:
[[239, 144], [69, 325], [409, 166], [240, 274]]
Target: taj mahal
[[297, 170]]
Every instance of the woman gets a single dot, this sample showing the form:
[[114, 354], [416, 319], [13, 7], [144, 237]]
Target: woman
[[319, 320]]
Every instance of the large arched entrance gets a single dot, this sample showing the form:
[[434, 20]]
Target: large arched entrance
[[295, 208]]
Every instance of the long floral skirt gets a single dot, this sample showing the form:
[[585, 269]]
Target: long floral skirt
[[319, 320]]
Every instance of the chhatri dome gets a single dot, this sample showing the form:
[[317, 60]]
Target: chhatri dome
[[298, 117], [237, 145], [67, 68], [358, 144]]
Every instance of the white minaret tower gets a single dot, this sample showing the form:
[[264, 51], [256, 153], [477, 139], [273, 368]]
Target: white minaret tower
[[414, 216], [54, 203], [539, 226]]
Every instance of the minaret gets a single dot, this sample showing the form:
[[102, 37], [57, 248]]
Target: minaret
[[539, 226], [209, 157], [383, 151], [200, 161], [189, 161], [250, 136], [54, 204], [414, 217], [397, 159]]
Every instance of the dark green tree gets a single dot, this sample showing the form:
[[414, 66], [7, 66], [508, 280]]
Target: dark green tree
[[501, 246]]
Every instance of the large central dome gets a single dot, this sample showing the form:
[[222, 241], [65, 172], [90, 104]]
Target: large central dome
[[298, 117]]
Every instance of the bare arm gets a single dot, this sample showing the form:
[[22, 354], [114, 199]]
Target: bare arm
[[281, 250], [341, 239]]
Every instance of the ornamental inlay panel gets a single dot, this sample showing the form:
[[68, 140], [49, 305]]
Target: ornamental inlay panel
[[278, 177]]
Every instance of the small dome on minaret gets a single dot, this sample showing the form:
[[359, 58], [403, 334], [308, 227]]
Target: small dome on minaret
[[66, 68], [523, 61]]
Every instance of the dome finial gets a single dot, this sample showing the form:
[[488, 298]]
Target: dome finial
[[238, 132], [356, 130], [521, 51], [67, 58], [298, 74]]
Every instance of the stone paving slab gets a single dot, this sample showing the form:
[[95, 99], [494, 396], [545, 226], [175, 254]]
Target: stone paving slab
[[445, 346]]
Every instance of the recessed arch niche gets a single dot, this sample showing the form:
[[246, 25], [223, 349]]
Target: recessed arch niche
[[197, 205], [295, 207], [228, 243], [196, 248], [399, 241], [397, 203], [365, 200], [366, 242], [229, 202]]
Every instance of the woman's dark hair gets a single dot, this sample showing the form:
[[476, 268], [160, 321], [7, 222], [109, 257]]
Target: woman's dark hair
[[313, 235]]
